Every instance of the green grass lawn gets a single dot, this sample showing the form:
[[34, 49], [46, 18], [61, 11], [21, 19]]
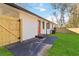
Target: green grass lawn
[[66, 45], [5, 52]]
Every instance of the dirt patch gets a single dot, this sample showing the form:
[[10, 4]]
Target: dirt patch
[[44, 51]]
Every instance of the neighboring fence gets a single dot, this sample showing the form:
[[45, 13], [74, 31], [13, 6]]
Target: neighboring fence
[[63, 30], [76, 30]]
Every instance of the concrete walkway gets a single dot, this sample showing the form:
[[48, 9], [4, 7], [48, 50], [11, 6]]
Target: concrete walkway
[[32, 47]]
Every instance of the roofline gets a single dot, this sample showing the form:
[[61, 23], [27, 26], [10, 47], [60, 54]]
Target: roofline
[[20, 8]]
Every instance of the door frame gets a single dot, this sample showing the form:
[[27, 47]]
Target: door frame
[[39, 27]]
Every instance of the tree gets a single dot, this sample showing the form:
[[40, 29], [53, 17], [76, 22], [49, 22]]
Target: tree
[[74, 16], [63, 9]]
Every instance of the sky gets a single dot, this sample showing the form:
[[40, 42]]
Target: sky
[[42, 9]]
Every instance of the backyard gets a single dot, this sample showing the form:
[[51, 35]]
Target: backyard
[[5, 52], [67, 44]]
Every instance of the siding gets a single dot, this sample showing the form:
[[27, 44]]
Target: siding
[[43, 31], [29, 25], [8, 11]]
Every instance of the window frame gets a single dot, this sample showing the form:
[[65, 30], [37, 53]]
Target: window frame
[[43, 25]]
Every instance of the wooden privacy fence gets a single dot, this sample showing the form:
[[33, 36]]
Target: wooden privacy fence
[[9, 31], [63, 30], [76, 30]]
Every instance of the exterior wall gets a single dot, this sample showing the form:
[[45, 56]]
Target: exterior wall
[[29, 25], [6, 10], [43, 31], [48, 30], [50, 25]]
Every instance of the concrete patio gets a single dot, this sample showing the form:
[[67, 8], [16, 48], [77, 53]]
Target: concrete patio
[[32, 47]]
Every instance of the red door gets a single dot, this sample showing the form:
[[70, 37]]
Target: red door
[[39, 27]]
